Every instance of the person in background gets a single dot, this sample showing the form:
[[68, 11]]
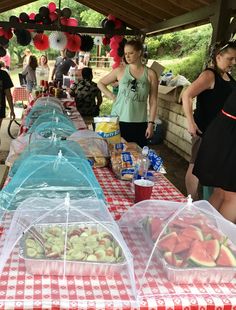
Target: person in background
[[44, 68], [137, 85], [87, 95], [62, 66], [86, 58], [215, 164], [5, 92], [212, 88], [43, 62], [7, 60], [30, 73], [27, 54]]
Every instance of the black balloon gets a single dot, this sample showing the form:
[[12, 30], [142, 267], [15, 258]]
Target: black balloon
[[3, 41], [47, 21], [86, 43], [120, 51], [103, 22], [13, 19], [23, 37], [24, 17], [109, 26], [44, 11], [38, 18], [66, 12], [2, 52]]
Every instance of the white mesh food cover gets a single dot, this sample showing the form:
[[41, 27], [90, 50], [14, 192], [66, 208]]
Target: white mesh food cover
[[63, 237], [184, 243]]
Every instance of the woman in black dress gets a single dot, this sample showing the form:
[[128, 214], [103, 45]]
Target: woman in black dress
[[216, 160]]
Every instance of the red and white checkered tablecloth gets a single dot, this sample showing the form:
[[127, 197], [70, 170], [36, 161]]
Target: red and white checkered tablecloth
[[19, 290], [120, 197], [20, 94]]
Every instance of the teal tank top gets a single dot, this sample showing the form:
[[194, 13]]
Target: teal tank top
[[131, 106]]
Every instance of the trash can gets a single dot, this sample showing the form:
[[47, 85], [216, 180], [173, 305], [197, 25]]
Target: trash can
[[158, 135]]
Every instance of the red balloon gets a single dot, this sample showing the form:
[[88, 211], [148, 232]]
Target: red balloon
[[2, 32], [53, 16], [116, 65], [32, 16], [52, 7], [64, 21], [111, 17], [105, 41], [41, 41], [114, 44], [118, 24], [73, 22], [113, 53], [8, 34], [73, 42], [117, 38]]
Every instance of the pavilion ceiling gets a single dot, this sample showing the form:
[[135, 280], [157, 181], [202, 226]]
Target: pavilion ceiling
[[149, 17]]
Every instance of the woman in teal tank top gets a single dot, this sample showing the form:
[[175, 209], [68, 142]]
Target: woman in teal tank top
[[137, 85]]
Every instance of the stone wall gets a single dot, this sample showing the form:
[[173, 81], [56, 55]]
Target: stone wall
[[174, 122]]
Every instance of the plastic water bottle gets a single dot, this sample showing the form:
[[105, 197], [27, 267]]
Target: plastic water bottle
[[141, 167]]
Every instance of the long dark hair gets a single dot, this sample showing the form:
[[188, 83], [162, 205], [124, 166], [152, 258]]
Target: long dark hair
[[33, 62]]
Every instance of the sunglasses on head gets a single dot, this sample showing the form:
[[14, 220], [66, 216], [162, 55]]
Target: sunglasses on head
[[134, 85]]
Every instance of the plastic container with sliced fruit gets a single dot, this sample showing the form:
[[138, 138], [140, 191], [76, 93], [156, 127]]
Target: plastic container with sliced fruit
[[66, 237], [88, 250], [190, 242]]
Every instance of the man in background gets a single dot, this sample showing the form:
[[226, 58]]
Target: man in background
[[62, 67]]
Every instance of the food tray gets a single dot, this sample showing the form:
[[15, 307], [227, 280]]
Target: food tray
[[189, 274], [54, 266], [199, 275]]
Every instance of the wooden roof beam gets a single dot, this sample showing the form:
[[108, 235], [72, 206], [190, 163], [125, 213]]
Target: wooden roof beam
[[180, 21], [153, 9], [186, 5], [167, 7], [87, 30], [9, 5]]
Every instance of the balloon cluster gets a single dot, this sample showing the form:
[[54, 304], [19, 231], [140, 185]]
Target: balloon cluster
[[117, 42], [47, 15]]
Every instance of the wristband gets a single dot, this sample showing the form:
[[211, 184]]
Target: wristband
[[151, 122]]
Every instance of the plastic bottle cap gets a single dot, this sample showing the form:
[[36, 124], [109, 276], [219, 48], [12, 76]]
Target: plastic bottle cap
[[145, 150]]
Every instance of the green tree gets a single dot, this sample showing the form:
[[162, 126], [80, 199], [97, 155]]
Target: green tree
[[91, 18]]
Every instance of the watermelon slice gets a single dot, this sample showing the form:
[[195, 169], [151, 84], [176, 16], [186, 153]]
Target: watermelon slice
[[226, 257], [168, 242], [156, 226], [181, 247], [212, 247], [199, 256], [193, 232]]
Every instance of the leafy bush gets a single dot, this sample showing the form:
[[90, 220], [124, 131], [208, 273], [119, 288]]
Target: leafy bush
[[106, 107]]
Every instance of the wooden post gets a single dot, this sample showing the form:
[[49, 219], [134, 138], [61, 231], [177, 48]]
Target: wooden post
[[220, 21]]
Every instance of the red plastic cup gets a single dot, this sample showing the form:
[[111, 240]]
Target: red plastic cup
[[143, 189]]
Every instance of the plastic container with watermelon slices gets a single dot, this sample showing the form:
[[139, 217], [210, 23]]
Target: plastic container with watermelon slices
[[196, 246], [191, 242]]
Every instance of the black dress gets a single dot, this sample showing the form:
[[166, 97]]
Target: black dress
[[216, 161]]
